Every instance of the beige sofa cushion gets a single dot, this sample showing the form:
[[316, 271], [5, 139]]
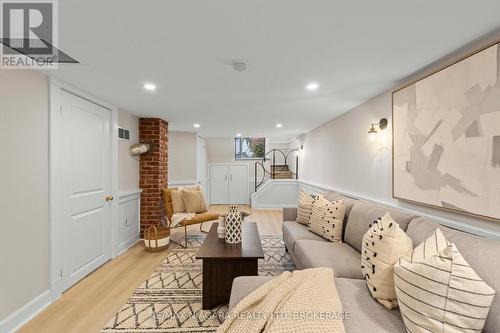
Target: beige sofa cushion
[[194, 201], [327, 219], [383, 244], [304, 208], [438, 291]]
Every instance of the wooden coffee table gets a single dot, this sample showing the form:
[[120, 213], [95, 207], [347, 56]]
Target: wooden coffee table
[[223, 262]]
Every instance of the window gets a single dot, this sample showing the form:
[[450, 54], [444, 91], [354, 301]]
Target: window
[[249, 148]]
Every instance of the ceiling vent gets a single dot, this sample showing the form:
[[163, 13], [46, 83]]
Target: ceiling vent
[[123, 134], [239, 66]]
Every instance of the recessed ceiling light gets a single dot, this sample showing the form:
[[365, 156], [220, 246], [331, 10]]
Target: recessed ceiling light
[[238, 135], [196, 125], [312, 86], [279, 125], [150, 86]]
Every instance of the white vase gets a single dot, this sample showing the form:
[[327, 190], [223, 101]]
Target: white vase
[[221, 228], [233, 225]]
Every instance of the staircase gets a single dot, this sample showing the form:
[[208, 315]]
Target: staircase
[[274, 171], [281, 172]]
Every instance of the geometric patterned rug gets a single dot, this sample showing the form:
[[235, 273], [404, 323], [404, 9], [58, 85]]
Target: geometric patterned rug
[[170, 299]]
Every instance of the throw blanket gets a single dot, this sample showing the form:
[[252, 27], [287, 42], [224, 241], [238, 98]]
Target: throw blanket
[[300, 301], [179, 217]]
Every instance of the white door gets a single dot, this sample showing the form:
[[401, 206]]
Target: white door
[[238, 184], [201, 164], [84, 182], [219, 194]]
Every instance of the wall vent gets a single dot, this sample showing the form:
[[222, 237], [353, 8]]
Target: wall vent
[[123, 134]]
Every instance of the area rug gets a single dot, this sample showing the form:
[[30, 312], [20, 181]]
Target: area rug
[[170, 299]]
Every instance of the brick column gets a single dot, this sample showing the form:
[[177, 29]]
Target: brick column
[[153, 169]]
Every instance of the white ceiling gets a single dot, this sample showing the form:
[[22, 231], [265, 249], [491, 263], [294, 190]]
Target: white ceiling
[[353, 49]]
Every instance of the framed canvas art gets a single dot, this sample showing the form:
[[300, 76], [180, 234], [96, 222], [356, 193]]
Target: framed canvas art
[[446, 137]]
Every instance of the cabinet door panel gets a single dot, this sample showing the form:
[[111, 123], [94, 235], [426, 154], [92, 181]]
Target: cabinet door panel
[[238, 184], [219, 185]]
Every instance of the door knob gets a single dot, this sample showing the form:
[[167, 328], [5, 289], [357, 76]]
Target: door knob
[[109, 198]]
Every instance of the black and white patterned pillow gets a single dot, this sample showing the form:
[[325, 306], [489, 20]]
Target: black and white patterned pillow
[[327, 219]]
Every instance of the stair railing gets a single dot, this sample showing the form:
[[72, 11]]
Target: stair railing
[[272, 173]]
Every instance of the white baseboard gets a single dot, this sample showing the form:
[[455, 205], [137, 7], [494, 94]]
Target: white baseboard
[[22, 315], [127, 244]]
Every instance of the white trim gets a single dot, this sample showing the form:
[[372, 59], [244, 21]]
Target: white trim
[[124, 197], [469, 228], [124, 194], [55, 88], [272, 207], [182, 183], [21, 316]]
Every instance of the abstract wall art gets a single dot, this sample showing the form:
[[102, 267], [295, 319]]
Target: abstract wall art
[[446, 137]]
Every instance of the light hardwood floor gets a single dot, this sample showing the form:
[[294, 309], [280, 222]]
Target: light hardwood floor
[[88, 305]]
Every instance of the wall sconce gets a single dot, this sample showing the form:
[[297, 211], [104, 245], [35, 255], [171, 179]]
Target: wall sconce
[[382, 124]]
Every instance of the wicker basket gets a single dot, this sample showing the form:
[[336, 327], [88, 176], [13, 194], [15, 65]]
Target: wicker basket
[[156, 239]]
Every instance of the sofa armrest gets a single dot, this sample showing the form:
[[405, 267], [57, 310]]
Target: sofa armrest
[[289, 214]]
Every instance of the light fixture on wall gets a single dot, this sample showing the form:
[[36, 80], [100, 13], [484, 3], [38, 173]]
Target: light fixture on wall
[[382, 124]]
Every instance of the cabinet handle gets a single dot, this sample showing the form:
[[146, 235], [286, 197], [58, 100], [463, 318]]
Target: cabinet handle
[[231, 177], [225, 177], [126, 222]]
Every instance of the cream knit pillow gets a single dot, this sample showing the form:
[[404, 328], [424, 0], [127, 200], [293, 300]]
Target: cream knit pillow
[[438, 291], [304, 208], [327, 219], [383, 244]]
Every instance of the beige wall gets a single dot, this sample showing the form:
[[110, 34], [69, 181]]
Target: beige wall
[[339, 155], [221, 150], [181, 156], [24, 179], [128, 166]]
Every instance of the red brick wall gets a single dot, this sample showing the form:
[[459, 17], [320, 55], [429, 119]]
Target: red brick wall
[[153, 169]]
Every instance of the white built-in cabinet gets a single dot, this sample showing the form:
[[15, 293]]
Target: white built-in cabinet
[[228, 184]]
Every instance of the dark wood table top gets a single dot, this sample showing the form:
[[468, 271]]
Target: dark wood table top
[[215, 248]]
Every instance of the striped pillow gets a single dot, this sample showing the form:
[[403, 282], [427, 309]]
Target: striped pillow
[[383, 244], [304, 208], [438, 291], [327, 219]]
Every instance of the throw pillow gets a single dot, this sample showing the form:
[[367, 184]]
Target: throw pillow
[[178, 201], [194, 201], [383, 244], [327, 218], [438, 291], [304, 208], [178, 198]]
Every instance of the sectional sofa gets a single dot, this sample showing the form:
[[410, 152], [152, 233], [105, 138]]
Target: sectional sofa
[[366, 314]]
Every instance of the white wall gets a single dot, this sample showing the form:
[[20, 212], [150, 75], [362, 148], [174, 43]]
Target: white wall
[[339, 155], [181, 157], [128, 166], [24, 195]]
